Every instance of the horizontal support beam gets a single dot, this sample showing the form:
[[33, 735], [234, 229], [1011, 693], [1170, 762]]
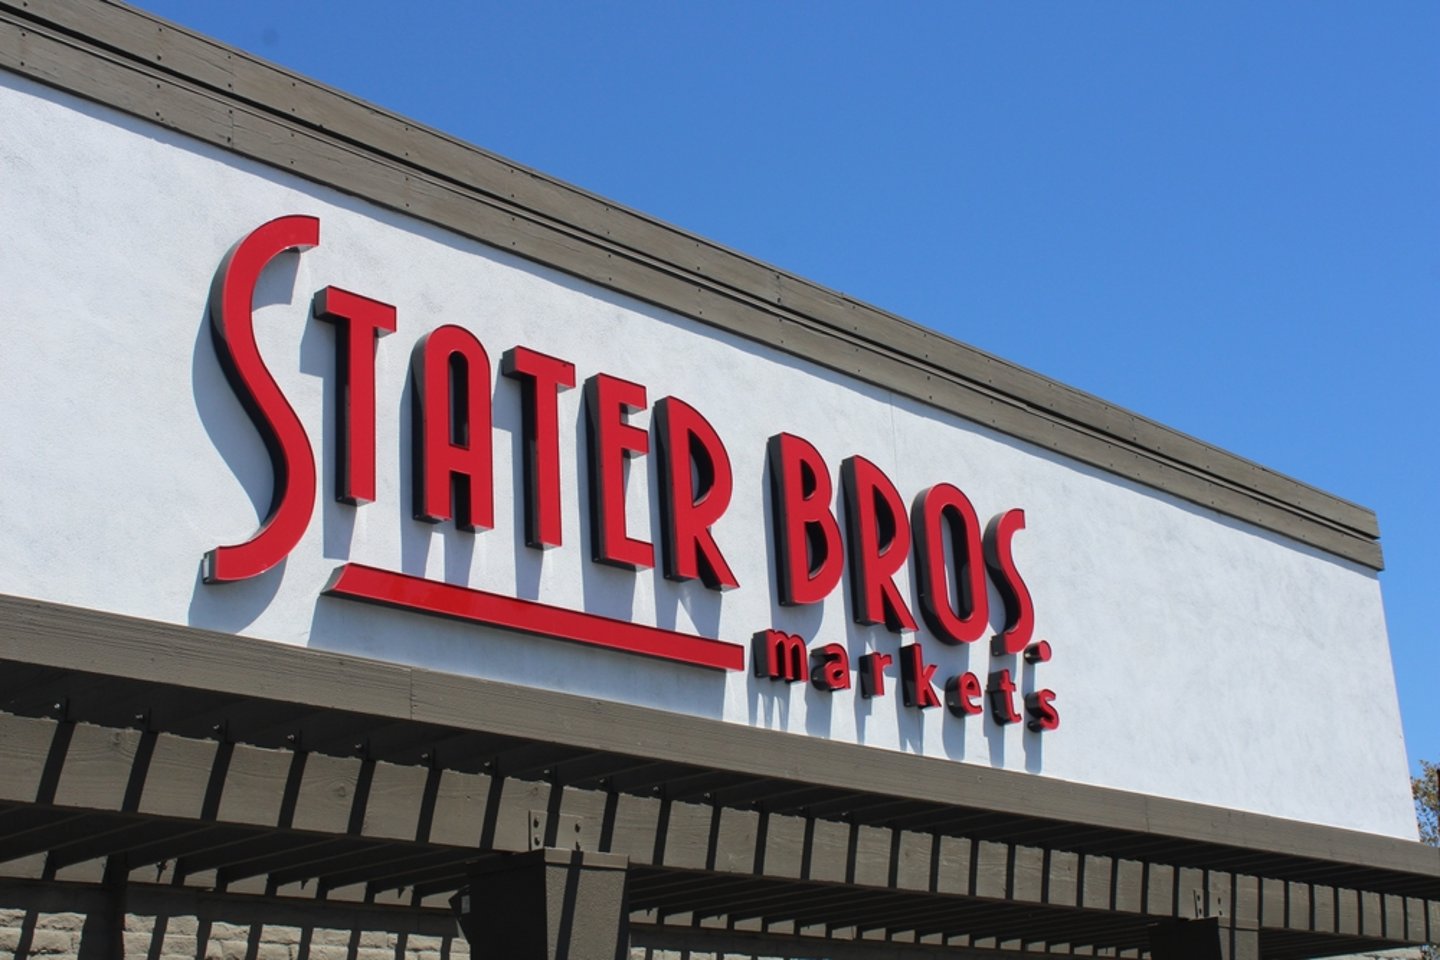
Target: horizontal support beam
[[181, 658], [232, 813]]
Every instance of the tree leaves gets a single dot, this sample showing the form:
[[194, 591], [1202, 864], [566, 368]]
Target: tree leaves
[[1426, 789]]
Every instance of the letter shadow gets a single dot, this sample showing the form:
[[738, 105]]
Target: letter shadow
[[954, 729], [318, 352], [417, 535], [529, 561], [1033, 740], [607, 590], [240, 444], [770, 701]]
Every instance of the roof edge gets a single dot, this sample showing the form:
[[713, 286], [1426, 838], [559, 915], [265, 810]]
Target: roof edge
[[130, 60]]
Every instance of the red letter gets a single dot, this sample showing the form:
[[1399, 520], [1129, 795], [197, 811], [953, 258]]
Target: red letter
[[232, 327], [961, 693], [541, 377], [611, 442], [1038, 652], [807, 538], [1040, 707], [879, 540], [1002, 698], [917, 677], [452, 429], [691, 503], [359, 322], [832, 668], [1019, 610], [872, 674], [964, 618], [778, 655]]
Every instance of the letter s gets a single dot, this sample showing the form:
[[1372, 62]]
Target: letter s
[[233, 330], [1019, 608]]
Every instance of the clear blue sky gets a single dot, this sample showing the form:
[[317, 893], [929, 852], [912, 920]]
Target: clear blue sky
[[1225, 216]]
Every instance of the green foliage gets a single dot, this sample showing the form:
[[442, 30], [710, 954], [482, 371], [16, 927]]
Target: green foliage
[[1426, 789], [1427, 802]]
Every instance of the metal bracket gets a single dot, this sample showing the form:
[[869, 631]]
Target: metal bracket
[[571, 832]]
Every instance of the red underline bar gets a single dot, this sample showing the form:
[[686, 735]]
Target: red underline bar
[[356, 581]]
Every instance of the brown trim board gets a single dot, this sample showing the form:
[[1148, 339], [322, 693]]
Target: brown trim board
[[40, 633], [140, 64]]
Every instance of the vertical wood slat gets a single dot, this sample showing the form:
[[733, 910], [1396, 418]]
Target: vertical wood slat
[[1322, 906], [827, 850], [1247, 901], [1028, 882], [1129, 890], [1220, 894], [327, 792], [1414, 919], [1272, 903], [954, 872], [460, 808], [1160, 889], [1190, 900], [1063, 880], [1097, 886], [1297, 906], [632, 833], [179, 777], [784, 854], [733, 849], [687, 835], [97, 767], [394, 807], [1347, 911], [869, 856], [26, 744], [913, 856], [1372, 914], [992, 871], [1393, 907]]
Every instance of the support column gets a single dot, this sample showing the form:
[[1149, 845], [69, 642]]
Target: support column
[[547, 905], [1212, 938]]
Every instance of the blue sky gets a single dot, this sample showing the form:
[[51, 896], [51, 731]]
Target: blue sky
[[1223, 216]]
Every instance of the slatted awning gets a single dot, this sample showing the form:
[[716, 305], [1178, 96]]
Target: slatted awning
[[176, 756]]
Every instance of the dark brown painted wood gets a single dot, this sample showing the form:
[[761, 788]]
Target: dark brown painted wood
[[1298, 910], [1414, 920], [1322, 908], [1272, 902], [44, 634], [1062, 878], [1097, 886], [1129, 886], [1028, 874], [1393, 909], [300, 816], [1347, 911]]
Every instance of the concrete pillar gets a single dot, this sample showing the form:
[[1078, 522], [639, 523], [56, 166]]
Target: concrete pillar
[[546, 905]]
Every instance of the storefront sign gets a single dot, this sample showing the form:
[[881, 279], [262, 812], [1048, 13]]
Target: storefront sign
[[454, 482]]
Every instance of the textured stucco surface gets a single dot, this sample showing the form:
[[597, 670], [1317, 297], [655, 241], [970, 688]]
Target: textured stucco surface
[[1195, 657]]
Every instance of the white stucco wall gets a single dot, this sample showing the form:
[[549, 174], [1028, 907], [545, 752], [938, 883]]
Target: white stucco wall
[[1195, 657]]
